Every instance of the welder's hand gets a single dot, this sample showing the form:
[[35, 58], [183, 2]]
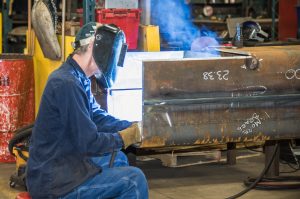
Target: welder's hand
[[131, 135]]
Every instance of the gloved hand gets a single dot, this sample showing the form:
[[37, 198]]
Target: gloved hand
[[131, 135]]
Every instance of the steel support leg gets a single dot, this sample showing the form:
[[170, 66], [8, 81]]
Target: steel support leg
[[231, 153], [269, 151]]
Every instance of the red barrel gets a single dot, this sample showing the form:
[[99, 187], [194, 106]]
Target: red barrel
[[16, 97]]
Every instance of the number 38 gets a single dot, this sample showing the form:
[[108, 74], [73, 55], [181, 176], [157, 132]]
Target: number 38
[[219, 75]]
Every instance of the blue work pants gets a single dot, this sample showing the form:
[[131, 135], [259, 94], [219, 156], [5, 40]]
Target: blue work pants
[[120, 182]]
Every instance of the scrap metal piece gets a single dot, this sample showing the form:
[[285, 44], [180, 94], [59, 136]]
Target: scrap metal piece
[[44, 23]]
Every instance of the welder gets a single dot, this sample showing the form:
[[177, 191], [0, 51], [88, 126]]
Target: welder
[[73, 138]]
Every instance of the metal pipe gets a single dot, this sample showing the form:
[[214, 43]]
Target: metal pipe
[[29, 36], [63, 30], [274, 2]]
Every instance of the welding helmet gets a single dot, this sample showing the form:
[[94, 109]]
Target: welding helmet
[[109, 50], [252, 32]]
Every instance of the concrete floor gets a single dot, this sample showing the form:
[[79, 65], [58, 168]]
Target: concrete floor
[[207, 181]]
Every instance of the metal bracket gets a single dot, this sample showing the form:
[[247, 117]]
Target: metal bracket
[[252, 63]]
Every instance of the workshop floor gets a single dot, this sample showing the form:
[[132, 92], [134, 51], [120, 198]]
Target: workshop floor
[[207, 181]]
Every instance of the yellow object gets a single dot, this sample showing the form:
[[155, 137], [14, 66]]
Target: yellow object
[[0, 32], [131, 135], [43, 67], [29, 43], [149, 38], [19, 160]]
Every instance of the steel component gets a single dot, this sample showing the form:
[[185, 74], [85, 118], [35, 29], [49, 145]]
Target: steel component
[[254, 97], [270, 149], [7, 24], [88, 11]]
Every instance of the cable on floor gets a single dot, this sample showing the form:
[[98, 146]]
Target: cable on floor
[[257, 180], [276, 183], [251, 148]]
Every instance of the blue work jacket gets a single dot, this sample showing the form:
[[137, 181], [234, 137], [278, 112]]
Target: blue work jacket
[[70, 129]]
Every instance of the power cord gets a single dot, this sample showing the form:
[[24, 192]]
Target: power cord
[[112, 159], [294, 169], [254, 183], [251, 149], [276, 183]]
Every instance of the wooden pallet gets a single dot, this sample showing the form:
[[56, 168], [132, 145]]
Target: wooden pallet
[[193, 158]]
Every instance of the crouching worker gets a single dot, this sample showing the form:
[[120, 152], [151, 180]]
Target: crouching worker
[[73, 138]]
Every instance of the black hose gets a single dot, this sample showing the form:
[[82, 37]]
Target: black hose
[[250, 149], [112, 159], [19, 137], [276, 183], [257, 179], [29, 126]]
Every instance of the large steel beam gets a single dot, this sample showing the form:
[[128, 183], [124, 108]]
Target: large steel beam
[[233, 98]]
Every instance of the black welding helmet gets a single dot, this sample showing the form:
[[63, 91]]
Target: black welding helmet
[[253, 32], [109, 53], [109, 49]]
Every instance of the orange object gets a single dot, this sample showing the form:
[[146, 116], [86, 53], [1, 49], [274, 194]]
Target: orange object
[[23, 195]]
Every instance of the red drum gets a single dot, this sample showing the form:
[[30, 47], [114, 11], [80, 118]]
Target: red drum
[[16, 97]]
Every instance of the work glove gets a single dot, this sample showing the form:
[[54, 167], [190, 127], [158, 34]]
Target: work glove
[[131, 135]]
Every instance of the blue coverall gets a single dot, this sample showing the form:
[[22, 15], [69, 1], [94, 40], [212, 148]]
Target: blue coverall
[[70, 143]]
